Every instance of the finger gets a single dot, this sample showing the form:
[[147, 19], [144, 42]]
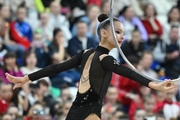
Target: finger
[[16, 86], [9, 77]]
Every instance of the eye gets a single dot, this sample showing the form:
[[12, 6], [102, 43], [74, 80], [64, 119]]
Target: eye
[[117, 32]]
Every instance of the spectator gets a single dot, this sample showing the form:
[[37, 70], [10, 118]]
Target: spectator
[[152, 25], [5, 96], [46, 27], [145, 65], [13, 111], [149, 105], [135, 47], [111, 105], [91, 21], [26, 98], [130, 21], [144, 91], [21, 31], [65, 94], [169, 104], [58, 20], [6, 117], [65, 109], [39, 45], [173, 20], [167, 53], [10, 66], [58, 54], [81, 41], [10, 44], [105, 7], [30, 62], [139, 114]]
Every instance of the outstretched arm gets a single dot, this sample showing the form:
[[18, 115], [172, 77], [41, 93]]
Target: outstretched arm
[[111, 64], [47, 71]]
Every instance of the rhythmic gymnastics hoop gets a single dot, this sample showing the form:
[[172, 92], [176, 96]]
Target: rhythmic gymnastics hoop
[[121, 52]]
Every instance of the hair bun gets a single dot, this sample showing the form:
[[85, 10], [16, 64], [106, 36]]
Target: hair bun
[[102, 17]]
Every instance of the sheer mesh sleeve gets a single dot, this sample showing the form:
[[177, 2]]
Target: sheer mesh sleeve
[[111, 64], [54, 69]]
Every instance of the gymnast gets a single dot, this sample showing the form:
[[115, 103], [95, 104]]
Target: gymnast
[[96, 72]]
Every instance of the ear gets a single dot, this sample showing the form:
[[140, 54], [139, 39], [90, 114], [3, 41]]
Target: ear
[[104, 33]]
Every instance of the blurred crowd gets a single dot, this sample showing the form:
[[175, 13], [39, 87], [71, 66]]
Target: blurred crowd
[[37, 33]]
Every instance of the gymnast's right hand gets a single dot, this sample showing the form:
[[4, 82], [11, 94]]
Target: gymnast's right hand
[[18, 81]]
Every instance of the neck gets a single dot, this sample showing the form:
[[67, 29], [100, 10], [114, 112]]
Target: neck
[[149, 113], [30, 67], [105, 46]]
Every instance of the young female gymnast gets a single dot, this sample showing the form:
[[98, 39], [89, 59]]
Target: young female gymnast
[[96, 68]]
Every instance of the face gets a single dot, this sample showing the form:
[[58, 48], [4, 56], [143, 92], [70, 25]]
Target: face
[[66, 107], [174, 15], [10, 61], [150, 10], [170, 95], [112, 94], [139, 115], [13, 111], [65, 94], [6, 117], [6, 92], [160, 96], [5, 12], [129, 13], [55, 8], [136, 37], [31, 60], [149, 105], [106, 8], [174, 34], [43, 88], [59, 36], [147, 60], [44, 18], [93, 13], [108, 36], [81, 29], [21, 14]]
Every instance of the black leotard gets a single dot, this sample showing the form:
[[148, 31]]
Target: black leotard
[[100, 74]]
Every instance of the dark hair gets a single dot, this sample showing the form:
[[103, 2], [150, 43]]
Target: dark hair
[[22, 5], [145, 8], [27, 54], [146, 52], [104, 23], [174, 7], [55, 32], [43, 82], [1, 6], [10, 54], [174, 26], [123, 10]]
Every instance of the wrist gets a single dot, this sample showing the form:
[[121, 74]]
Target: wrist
[[26, 78], [153, 85]]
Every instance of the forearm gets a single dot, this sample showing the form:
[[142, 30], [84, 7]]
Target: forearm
[[57, 68]]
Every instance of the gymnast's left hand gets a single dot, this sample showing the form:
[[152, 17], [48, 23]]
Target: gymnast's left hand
[[163, 86]]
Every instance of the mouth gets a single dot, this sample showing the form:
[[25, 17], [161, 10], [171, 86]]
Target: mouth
[[120, 42]]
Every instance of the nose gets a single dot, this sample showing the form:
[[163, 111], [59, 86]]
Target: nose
[[122, 37]]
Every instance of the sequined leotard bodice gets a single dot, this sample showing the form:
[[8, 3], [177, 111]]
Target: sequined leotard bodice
[[100, 74]]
